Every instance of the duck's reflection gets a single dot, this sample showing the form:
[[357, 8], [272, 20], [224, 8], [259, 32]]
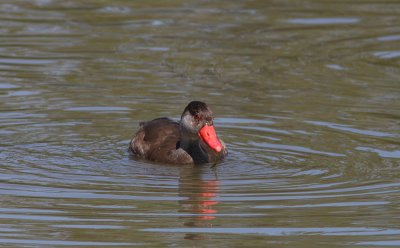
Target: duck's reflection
[[199, 188]]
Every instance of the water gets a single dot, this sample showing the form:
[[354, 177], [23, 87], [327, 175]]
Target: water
[[306, 95]]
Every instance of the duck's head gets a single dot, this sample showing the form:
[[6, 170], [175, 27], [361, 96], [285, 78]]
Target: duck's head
[[197, 121]]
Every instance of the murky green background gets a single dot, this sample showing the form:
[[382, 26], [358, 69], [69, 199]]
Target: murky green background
[[306, 95]]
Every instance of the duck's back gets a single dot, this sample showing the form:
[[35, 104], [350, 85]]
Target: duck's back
[[158, 140]]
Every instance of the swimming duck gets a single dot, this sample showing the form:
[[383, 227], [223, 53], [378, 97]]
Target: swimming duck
[[192, 140]]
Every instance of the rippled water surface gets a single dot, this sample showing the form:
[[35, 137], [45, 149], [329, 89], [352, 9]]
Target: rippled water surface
[[306, 95]]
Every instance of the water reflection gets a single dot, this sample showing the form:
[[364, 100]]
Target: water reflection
[[199, 198]]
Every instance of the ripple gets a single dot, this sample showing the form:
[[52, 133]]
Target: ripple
[[115, 9], [24, 93], [25, 61], [325, 231], [324, 21], [62, 242], [234, 121], [349, 128], [98, 109], [90, 227], [53, 192], [387, 54], [381, 153], [389, 38], [8, 86], [380, 243], [335, 67], [333, 204], [300, 149]]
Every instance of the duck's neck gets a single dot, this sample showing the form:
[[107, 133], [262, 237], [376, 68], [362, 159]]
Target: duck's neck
[[192, 145]]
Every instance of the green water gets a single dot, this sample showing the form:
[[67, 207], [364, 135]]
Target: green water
[[306, 95]]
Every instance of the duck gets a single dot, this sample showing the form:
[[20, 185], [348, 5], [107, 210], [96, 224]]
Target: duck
[[192, 140]]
